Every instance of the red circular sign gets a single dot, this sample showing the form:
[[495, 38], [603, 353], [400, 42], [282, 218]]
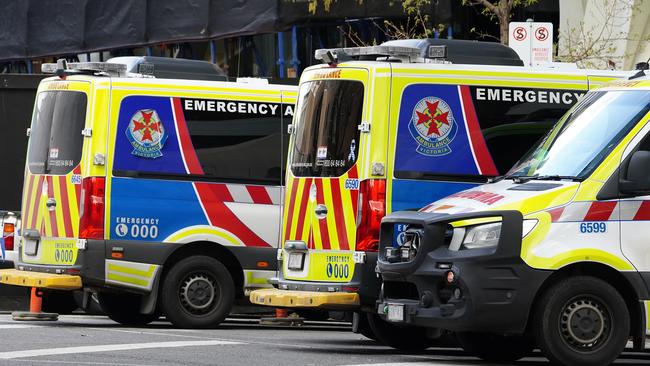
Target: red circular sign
[[519, 33], [541, 33]]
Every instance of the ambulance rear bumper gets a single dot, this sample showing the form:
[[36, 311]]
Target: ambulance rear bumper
[[40, 280], [305, 299], [364, 285]]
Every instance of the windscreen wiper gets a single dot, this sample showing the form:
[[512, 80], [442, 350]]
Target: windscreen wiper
[[525, 179]]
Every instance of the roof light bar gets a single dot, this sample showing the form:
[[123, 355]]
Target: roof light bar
[[410, 53], [62, 65]]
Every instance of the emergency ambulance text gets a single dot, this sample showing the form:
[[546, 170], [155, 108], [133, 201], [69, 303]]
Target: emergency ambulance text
[[202, 105], [528, 96]]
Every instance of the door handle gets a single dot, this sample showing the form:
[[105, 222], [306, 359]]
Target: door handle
[[50, 204]]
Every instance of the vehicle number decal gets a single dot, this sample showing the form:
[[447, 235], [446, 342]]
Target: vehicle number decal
[[352, 184], [593, 227]]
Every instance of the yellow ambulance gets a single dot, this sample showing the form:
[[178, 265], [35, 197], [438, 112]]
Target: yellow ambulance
[[394, 127], [554, 254], [155, 184]]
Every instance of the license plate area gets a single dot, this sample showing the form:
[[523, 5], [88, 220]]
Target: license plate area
[[31, 247], [296, 261], [396, 312]]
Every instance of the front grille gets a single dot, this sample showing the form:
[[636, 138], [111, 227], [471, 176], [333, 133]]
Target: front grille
[[401, 290]]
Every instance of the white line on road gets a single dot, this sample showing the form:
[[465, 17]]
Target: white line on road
[[17, 326], [108, 348]]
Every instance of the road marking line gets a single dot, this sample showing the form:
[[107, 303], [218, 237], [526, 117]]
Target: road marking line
[[167, 334], [17, 326], [68, 362], [108, 348]]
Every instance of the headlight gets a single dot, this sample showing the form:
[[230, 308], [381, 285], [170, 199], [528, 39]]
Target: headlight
[[482, 236]]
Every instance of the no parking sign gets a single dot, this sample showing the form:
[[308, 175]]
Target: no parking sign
[[533, 42]]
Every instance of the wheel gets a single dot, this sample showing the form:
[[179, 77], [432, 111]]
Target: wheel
[[124, 308], [582, 320], [495, 347], [93, 307], [408, 338], [60, 302], [360, 320], [198, 292]]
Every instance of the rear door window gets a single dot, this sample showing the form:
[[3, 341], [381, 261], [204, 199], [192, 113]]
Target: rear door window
[[56, 141], [327, 135]]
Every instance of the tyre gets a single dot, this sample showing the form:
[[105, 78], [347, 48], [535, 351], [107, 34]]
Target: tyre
[[408, 338], [124, 308], [93, 307], [361, 325], [582, 320], [495, 347], [197, 292]]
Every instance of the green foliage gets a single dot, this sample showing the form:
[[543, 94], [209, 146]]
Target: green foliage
[[417, 22]]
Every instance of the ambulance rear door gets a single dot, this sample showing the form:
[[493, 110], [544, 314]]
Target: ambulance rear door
[[53, 175], [320, 213]]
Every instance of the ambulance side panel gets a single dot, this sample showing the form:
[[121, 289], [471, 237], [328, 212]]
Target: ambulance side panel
[[195, 167], [457, 127]]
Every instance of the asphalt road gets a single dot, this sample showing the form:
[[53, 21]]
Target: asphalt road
[[95, 340]]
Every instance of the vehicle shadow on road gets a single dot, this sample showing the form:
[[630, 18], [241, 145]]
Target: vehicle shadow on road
[[445, 356]]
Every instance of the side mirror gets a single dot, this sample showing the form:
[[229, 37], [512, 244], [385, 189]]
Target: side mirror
[[637, 179]]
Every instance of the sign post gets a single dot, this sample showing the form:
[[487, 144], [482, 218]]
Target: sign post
[[533, 42]]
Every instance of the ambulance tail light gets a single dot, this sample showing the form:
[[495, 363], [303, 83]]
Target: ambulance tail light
[[91, 212], [8, 235], [372, 208]]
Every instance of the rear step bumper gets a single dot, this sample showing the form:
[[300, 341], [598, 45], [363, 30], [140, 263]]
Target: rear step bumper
[[305, 299], [39, 279]]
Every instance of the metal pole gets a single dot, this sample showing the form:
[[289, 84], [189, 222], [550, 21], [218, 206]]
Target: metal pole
[[294, 50], [213, 51], [281, 54]]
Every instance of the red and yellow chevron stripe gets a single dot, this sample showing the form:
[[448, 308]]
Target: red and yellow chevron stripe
[[337, 231], [63, 221]]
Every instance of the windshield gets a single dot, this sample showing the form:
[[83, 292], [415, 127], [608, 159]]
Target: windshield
[[585, 136], [327, 136], [55, 139]]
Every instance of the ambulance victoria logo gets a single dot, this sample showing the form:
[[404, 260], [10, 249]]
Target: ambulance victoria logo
[[433, 126], [146, 134]]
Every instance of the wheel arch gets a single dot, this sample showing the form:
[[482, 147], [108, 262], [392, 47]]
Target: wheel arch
[[631, 288], [211, 249]]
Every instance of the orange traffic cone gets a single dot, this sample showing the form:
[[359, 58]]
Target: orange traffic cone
[[281, 313], [35, 308]]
